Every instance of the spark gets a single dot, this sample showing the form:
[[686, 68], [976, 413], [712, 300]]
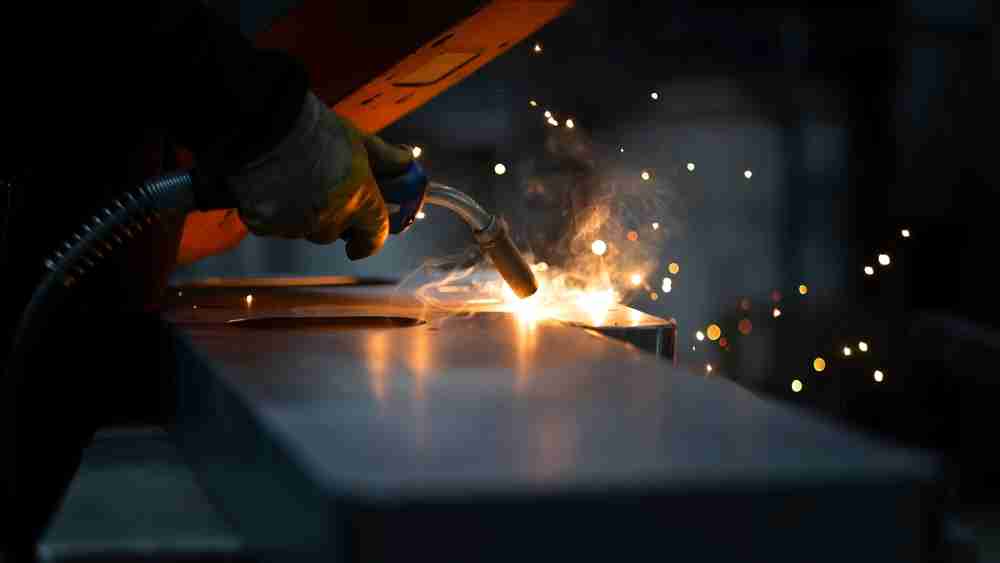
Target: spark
[[708, 368], [776, 312], [905, 233], [548, 114], [879, 376], [553, 122], [884, 259], [796, 386], [690, 167], [599, 247], [538, 48], [636, 279], [645, 175], [714, 332], [674, 268], [417, 151], [819, 364], [869, 271], [632, 236], [667, 286], [500, 169], [533, 103], [249, 299], [699, 336], [863, 346], [421, 215], [745, 327], [803, 289], [656, 226], [847, 351], [570, 124], [748, 174], [654, 95]]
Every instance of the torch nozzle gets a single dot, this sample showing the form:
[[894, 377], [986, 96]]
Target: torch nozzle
[[492, 235]]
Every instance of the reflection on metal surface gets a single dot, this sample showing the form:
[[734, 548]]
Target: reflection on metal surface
[[377, 362], [330, 323]]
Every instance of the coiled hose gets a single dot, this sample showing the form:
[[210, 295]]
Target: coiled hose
[[96, 240]]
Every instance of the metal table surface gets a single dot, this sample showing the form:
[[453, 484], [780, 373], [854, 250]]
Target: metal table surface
[[484, 437]]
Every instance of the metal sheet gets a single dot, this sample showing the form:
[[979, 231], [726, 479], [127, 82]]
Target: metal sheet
[[468, 432]]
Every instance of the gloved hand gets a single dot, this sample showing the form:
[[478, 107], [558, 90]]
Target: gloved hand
[[319, 183]]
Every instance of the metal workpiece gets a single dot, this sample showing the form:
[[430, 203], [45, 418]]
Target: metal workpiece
[[473, 436]]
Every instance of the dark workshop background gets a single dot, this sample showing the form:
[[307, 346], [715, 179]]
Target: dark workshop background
[[855, 122]]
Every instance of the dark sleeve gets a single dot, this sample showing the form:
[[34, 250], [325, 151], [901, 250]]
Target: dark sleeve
[[228, 101]]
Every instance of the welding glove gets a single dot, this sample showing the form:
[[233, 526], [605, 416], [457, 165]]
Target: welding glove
[[318, 183]]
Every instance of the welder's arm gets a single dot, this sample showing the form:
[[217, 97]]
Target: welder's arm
[[297, 169]]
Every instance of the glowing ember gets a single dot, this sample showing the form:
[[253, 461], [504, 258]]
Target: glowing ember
[[500, 169], [632, 236], [869, 271], [667, 285], [748, 174], [819, 364], [417, 151], [745, 327], [674, 268], [636, 279], [654, 95], [796, 386], [905, 233], [863, 346], [421, 215], [714, 332], [645, 176], [656, 226], [570, 124], [847, 351], [776, 312], [599, 247], [690, 167], [884, 259], [249, 299], [803, 289], [699, 336], [879, 376]]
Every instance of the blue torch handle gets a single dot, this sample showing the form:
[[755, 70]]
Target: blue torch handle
[[404, 196]]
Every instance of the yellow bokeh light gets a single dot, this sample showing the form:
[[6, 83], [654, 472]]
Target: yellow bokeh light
[[863, 346], [599, 247], [776, 312], [674, 268], [869, 271], [570, 124], [249, 299], [803, 289], [654, 95], [879, 376], [632, 236], [699, 336], [667, 285], [500, 169], [796, 385], [636, 279], [884, 259], [656, 225], [690, 167], [533, 103], [819, 364], [905, 233], [645, 175], [417, 151], [748, 174], [538, 48], [708, 368], [714, 332], [847, 351], [548, 114], [654, 296]]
